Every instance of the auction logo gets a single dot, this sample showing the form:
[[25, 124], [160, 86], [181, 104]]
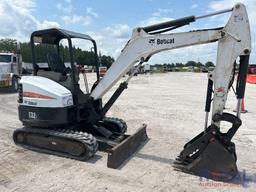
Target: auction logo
[[242, 179]]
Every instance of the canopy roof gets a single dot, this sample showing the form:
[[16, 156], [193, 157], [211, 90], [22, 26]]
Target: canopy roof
[[54, 35]]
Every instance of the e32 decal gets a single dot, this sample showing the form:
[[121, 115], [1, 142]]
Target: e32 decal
[[32, 115]]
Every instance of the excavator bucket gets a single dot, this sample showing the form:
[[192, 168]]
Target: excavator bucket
[[209, 155]]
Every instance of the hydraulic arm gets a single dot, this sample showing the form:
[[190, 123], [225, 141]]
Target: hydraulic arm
[[234, 40]]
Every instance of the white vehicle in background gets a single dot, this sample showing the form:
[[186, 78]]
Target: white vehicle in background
[[146, 68], [10, 70]]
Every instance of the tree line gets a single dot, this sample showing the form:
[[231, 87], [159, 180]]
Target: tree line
[[81, 57], [187, 64]]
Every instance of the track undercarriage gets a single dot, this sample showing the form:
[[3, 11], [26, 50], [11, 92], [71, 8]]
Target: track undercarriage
[[81, 143]]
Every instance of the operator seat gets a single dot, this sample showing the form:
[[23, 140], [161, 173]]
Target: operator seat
[[56, 64], [58, 71], [60, 74]]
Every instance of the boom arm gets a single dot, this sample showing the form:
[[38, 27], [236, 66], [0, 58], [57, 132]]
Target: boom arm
[[233, 40], [142, 46]]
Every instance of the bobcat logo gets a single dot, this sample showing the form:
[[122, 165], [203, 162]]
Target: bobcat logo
[[151, 41], [165, 41]]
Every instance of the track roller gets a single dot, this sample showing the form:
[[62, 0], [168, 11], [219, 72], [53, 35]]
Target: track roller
[[61, 142]]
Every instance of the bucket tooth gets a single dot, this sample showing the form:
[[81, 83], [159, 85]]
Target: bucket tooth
[[177, 162], [179, 166]]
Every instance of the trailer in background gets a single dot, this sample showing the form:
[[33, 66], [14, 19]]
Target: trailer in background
[[146, 68], [10, 70]]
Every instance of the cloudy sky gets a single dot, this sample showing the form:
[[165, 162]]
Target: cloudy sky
[[111, 22]]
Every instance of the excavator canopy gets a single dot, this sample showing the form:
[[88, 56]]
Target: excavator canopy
[[55, 35]]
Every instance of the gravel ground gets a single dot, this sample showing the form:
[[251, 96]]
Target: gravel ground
[[171, 104]]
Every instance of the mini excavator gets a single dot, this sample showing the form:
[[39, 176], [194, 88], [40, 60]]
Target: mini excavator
[[60, 119]]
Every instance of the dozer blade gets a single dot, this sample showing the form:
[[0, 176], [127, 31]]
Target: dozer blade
[[121, 152], [208, 155]]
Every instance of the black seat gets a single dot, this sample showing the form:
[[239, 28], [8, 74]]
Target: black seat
[[59, 72], [56, 64]]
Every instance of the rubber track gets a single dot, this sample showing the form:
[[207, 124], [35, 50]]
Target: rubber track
[[86, 139], [121, 123]]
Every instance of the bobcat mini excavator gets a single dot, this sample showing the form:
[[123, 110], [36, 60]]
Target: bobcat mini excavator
[[60, 119]]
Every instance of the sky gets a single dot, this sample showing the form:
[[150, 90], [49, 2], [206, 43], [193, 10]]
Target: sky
[[110, 22]]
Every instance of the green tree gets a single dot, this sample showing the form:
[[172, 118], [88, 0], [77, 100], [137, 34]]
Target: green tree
[[7, 45], [191, 63], [199, 64], [209, 64], [107, 61], [179, 65]]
